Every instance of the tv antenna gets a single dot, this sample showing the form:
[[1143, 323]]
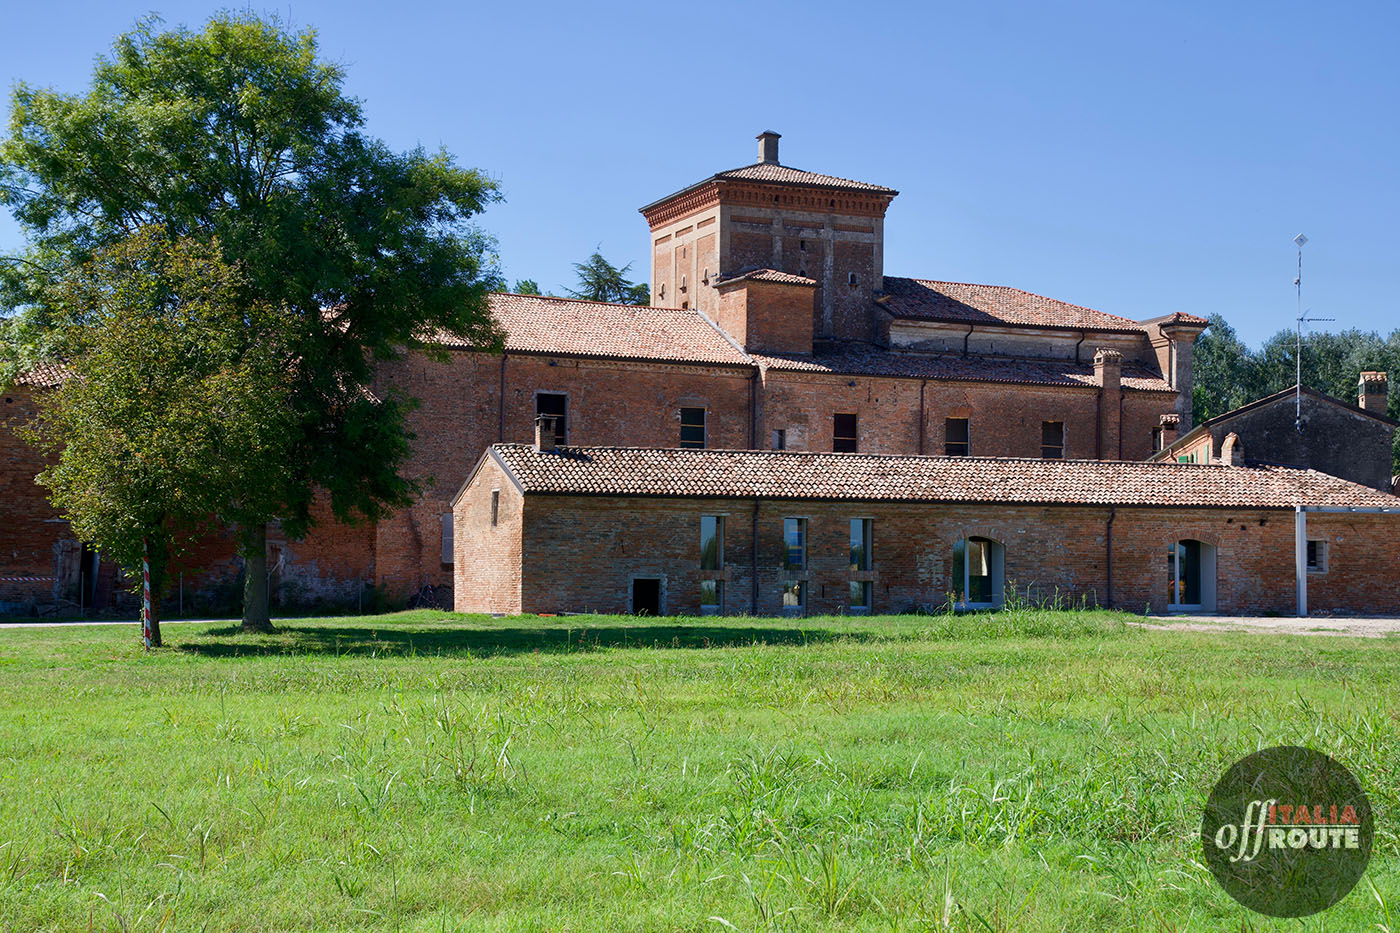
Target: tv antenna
[[1300, 241]]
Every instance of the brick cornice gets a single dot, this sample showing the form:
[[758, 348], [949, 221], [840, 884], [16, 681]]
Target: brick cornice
[[808, 198]]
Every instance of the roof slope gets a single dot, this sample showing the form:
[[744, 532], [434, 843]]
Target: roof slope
[[923, 299], [568, 326], [774, 174], [865, 360], [627, 471]]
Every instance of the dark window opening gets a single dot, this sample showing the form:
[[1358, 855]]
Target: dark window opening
[[1052, 440], [712, 542], [795, 544], [860, 544], [495, 506], [780, 439], [956, 438], [1317, 557], [851, 279], [646, 596], [860, 596], [802, 245], [555, 405], [843, 433], [692, 427], [1158, 439]]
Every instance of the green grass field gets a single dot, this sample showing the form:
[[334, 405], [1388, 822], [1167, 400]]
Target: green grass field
[[1029, 770]]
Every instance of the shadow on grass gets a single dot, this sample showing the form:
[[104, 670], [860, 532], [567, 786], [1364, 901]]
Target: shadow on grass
[[445, 641]]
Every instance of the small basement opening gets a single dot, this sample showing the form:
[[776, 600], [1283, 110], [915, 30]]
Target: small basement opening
[[646, 596]]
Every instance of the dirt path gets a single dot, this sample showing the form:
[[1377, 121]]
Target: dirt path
[[1379, 627]]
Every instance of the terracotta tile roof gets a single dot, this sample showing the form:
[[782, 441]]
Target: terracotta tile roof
[[567, 326], [630, 471], [42, 376], [865, 360], [773, 173], [768, 275], [1181, 317], [921, 299]]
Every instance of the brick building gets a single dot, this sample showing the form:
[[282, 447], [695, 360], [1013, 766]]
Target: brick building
[[775, 327], [1306, 429], [607, 529]]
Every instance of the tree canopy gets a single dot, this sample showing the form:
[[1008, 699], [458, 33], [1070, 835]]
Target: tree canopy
[[174, 410], [600, 280], [239, 135]]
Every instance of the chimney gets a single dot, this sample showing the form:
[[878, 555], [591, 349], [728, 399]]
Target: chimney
[[1232, 450], [1371, 392], [1170, 427], [768, 146], [1108, 368], [1108, 373], [544, 433]]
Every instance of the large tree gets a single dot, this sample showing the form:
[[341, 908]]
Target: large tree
[[174, 411], [238, 134], [600, 280]]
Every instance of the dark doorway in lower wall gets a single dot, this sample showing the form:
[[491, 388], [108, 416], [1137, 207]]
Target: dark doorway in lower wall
[[646, 596]]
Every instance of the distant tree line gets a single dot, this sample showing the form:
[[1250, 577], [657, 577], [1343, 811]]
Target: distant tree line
[[1229, 374]]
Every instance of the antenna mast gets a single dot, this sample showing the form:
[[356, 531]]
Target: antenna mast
[[1300, 241]]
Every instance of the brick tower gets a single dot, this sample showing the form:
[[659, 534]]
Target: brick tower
[[771, 216]]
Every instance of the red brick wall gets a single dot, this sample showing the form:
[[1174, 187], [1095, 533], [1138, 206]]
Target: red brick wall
[[1005, 419], [581, 553], [610, 403], [487, 564], [31, 536]]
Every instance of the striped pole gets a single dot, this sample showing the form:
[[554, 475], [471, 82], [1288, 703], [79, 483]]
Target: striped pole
[[146, 593]]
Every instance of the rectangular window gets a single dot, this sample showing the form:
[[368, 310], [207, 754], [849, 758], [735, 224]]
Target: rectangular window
[[1052, 440], [860, 596], [711, 597], [1317, 557], [780, 440], [447, 538], [1158, 439], [712, 542], [555, 405], [794, 598], [495, 506], [956, 439], [860, 544], [692, 427], [795, 543], [843, 434]]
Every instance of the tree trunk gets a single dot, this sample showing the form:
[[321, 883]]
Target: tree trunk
[[157, 555], [255, 605]]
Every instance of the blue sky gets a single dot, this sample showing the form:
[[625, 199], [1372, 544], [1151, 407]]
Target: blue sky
[[1136, 158]]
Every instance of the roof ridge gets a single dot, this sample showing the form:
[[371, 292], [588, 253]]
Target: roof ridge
[[587, 301]]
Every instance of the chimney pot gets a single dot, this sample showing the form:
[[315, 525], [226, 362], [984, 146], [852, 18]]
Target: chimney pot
[[768, 146], [1232, 450], [544, 433], [1171, 426], [1372, 392]]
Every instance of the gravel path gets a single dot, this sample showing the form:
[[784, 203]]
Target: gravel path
[[1378, 627]]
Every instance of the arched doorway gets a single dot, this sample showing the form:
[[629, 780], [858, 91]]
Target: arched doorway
[[1190, 576], [979, 567]]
